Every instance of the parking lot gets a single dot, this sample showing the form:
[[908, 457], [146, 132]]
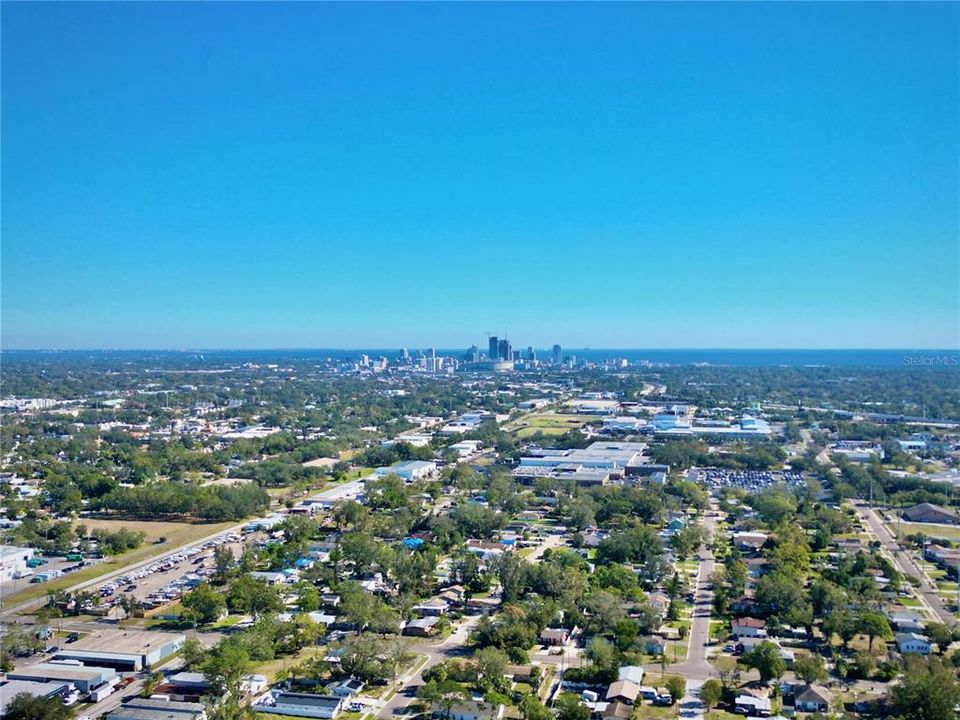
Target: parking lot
[[167, 578], [750, 480]]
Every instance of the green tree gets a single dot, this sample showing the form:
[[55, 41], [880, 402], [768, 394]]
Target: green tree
[[192, 653], [491, 667], [874, 625], [27, 707], [569, 707], [810, 668], [765, 658], [532, 709], [710, 693], [677, 687], [223, 563], [927, 691], [444, 694], [940, 635], [205, 603], [224, 668], [603, 655]]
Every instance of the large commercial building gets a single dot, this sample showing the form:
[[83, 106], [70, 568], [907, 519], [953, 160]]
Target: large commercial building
[[13, 561], [597, 464], [673, 424], [494, 350], [127, 650], [411, 470], [85, 678], [11, 688], [157, 709]]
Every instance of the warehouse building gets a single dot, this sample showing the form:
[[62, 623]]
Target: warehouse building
[[157, 709], [10, 689], [125, 650], [83, 677], [13, 562]]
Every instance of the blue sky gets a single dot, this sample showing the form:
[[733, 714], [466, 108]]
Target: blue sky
[[612, 175]]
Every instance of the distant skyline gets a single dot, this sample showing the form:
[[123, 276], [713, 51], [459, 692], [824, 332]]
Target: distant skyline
[[309, 175]]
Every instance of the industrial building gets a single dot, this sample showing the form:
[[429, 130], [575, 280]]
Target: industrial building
[[411, 470], [10, 689], [673, 424], [13, 562], [157, 709], [126, 650], [596, 464], [85, 678]]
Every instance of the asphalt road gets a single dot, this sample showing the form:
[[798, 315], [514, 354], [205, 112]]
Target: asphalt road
[[695, 668], [903, 562]]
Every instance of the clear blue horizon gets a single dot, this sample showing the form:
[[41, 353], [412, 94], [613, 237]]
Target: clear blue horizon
[[261, 175]]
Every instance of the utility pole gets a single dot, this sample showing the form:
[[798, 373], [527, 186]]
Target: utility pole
[[899, 518]]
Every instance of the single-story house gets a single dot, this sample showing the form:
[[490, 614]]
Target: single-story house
[[912, 643], [473, 710], [653, 645], [554, 636], [753, 706], [633, 673], [623, 691], [421, 627], [749, 540], [270, 578], [907, 622], [616, 711], [325, 707], [748, 627], [434, 607], [347, 688], [813, 698]]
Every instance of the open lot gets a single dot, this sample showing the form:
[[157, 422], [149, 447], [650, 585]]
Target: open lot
[[174, 532], [551, 424], [948, 532]]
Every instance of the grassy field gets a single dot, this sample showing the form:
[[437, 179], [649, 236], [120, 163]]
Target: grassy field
[[176, 534], [154, 529], [271, 667], [948, 532], [550, 424]]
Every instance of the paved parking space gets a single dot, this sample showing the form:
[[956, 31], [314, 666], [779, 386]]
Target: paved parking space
[[168, 577]]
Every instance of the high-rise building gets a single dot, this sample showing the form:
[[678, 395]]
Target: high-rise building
[[474, 353], [557, 355], [494, 348], [531, 354], [505, 352]]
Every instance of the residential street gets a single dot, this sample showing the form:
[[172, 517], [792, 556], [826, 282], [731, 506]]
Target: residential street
[[695, 668], [904, 562], [453, 646]]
